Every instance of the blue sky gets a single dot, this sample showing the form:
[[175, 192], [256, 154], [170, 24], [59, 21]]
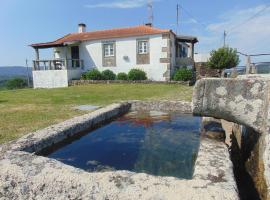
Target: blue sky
[[24, 22]]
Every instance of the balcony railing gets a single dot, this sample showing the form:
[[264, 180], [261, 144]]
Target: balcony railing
[[58, 64]]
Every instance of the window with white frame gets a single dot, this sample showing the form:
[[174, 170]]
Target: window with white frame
[[143, 46], [108, 49]]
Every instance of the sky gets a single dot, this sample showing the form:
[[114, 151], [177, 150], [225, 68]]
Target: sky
[[23, 22]]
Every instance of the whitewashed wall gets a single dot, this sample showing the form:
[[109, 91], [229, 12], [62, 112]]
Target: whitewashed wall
[[50, 79], [74, 74], [54, 78], [91, 53]]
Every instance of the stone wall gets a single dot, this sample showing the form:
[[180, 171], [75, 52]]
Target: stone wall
[[202, 71], [87, 82], [253, 147], [166, 106]]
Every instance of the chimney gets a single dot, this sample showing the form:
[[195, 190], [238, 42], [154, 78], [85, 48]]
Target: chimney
[[149, 24], [82, 28]]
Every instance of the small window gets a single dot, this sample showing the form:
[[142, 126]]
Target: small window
[[108, 49], [143, 47], [182, 51]]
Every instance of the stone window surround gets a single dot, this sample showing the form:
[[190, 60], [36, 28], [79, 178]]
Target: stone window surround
[[142, 58], [143, 44], [108, 61], [110, 48]]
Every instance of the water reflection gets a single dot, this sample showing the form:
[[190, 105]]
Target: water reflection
[[157, 143]]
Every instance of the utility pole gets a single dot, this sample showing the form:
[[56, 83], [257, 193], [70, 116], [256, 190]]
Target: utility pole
[[224, 38], [150, 12], [248, 64], [177, 20]]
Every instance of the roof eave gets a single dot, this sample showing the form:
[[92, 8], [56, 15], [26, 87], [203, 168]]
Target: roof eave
[[189, 40], [46, 45]]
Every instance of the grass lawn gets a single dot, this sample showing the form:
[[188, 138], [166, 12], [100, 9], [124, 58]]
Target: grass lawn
[[26, 110]]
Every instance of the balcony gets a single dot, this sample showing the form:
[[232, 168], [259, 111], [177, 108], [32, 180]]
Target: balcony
[[58, 64]]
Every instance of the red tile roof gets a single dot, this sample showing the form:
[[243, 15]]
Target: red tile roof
[[104, 34]]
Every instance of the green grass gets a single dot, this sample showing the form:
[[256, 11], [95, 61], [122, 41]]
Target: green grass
[[26, 110]]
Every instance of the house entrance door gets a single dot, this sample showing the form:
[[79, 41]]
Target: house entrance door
[[75, 56]]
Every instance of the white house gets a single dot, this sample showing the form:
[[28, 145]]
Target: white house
[[156, 51]]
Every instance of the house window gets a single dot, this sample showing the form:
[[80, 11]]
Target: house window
[[182, 51], [108, 49], [143, 47]]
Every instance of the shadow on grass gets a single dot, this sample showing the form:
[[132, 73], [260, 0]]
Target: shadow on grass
[[3, 101]]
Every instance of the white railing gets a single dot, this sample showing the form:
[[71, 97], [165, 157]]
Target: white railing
[[58, 64]]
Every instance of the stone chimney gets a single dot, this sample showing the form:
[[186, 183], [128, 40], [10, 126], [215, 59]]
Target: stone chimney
[[82, 28]]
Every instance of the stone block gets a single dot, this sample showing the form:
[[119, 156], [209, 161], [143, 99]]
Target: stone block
[[243, 101]]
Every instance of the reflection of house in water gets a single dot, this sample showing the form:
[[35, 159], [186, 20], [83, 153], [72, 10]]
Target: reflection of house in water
[[146, 119], [166, 149], [166, 152]]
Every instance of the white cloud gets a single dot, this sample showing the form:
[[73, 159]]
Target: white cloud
[[122, 4], [246, 33]]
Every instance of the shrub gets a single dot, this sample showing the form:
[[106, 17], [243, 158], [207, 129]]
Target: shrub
[[183, 74], [136, 75], [222, 58], [122, 76], [84, 76], [16, 83], [93, 74], [108, 75]]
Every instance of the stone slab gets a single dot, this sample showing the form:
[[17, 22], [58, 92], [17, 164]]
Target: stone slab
[[86, 107], [243, 101], [27, 176]]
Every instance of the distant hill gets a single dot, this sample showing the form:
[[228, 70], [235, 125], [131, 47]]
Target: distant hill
[[9, 72], [12, 71]]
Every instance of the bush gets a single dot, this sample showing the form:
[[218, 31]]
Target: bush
[[136, 75], [183, 74], [84, 76], [16, 83], [122, 76], [223, 58], [93, 74], [108, 75]]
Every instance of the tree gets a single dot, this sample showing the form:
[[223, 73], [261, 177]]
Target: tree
[[223, 58]]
